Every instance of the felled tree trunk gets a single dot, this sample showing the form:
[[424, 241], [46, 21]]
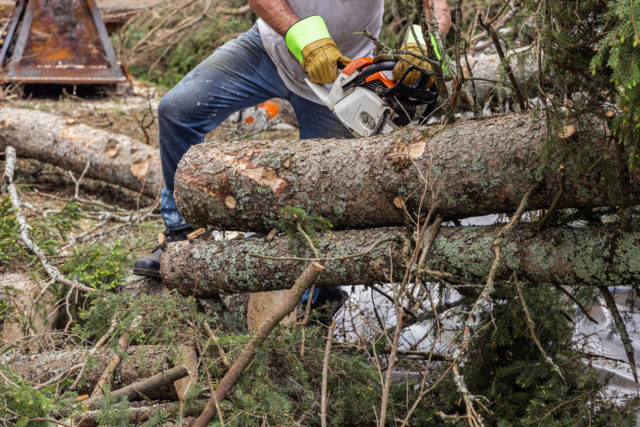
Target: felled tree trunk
[[566, 256], [116, 159], [143, 362], [473, 167]]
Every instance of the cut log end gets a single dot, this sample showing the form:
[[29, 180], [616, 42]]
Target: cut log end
[[567, 132], [230, 202], [398, 202]]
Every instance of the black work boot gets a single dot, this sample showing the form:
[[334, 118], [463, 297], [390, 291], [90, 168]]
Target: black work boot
[[150, 265], [327, 303]]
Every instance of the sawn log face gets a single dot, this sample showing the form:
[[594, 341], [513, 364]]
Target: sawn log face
[[566, 256], [475, 167]]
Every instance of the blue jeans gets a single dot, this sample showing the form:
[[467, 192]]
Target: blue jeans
[[238, 75]]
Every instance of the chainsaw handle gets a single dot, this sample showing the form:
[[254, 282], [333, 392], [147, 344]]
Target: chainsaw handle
[[369, 71]]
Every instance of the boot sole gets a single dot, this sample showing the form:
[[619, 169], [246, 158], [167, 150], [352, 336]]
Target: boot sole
[[147, 273]]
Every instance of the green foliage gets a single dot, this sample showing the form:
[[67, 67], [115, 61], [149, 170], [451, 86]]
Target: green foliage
[[98, 266], [289, 219], [172, 312], [20, 402], [574, 40], [47, 232], [619, 55], [113, 413], [508, 372], [281, 385], [164, 61], [9, 247]]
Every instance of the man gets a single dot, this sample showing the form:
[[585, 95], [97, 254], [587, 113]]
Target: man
[[292, 40]]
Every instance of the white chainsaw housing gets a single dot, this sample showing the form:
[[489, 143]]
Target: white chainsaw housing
[[359, 109]]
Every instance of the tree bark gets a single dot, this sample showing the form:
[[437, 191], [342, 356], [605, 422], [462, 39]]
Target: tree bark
[[565, 256], [116, 159], [142, 388], [141, 414], [143, 362], [474, 167]]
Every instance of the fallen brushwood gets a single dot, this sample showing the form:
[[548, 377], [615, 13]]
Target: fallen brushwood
[[56, 366], [143, 388], [564, 256], [472, 167], [143, 413]]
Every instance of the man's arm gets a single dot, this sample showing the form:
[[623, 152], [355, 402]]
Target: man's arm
[[277, 13], [443, 15]]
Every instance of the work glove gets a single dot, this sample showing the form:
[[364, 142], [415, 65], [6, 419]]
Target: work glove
[[415, 45], [310, 42]]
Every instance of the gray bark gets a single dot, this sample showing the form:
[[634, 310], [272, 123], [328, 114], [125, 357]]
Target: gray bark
[[116, 159], [472, 167], [566, 256]]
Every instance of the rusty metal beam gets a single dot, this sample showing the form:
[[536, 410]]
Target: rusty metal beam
[[59, 41]]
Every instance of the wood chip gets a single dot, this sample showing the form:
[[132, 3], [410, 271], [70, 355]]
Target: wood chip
[[196, 233]]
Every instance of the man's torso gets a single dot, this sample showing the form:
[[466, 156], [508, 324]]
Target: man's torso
[[343, 19]]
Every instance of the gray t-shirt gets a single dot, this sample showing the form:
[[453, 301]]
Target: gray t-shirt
[[343, 18]]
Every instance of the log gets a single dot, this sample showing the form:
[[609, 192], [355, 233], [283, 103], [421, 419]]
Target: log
[[142, 388], [138, 415], [116, 159], [565, 256], [475, 167], [143, 362]]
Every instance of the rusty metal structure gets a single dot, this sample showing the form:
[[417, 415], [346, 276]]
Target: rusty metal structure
[[58, 42]]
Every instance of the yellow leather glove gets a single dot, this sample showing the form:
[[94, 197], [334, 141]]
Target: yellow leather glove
[[414, 75], [320, 60], [310, 42]]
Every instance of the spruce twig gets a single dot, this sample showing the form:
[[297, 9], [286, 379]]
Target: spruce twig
[[325, 377], [532, 328], [52, 271], [423, 244], [505, 63], [474, 314], [622, 329]]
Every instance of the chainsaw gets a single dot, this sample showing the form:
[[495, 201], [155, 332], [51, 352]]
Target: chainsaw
[[368, 101]]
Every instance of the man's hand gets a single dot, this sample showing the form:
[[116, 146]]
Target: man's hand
[[415, 43], [407, 60], [309, 41]]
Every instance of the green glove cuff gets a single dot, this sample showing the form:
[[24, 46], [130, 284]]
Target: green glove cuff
[[419, 39], [304, 32]]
